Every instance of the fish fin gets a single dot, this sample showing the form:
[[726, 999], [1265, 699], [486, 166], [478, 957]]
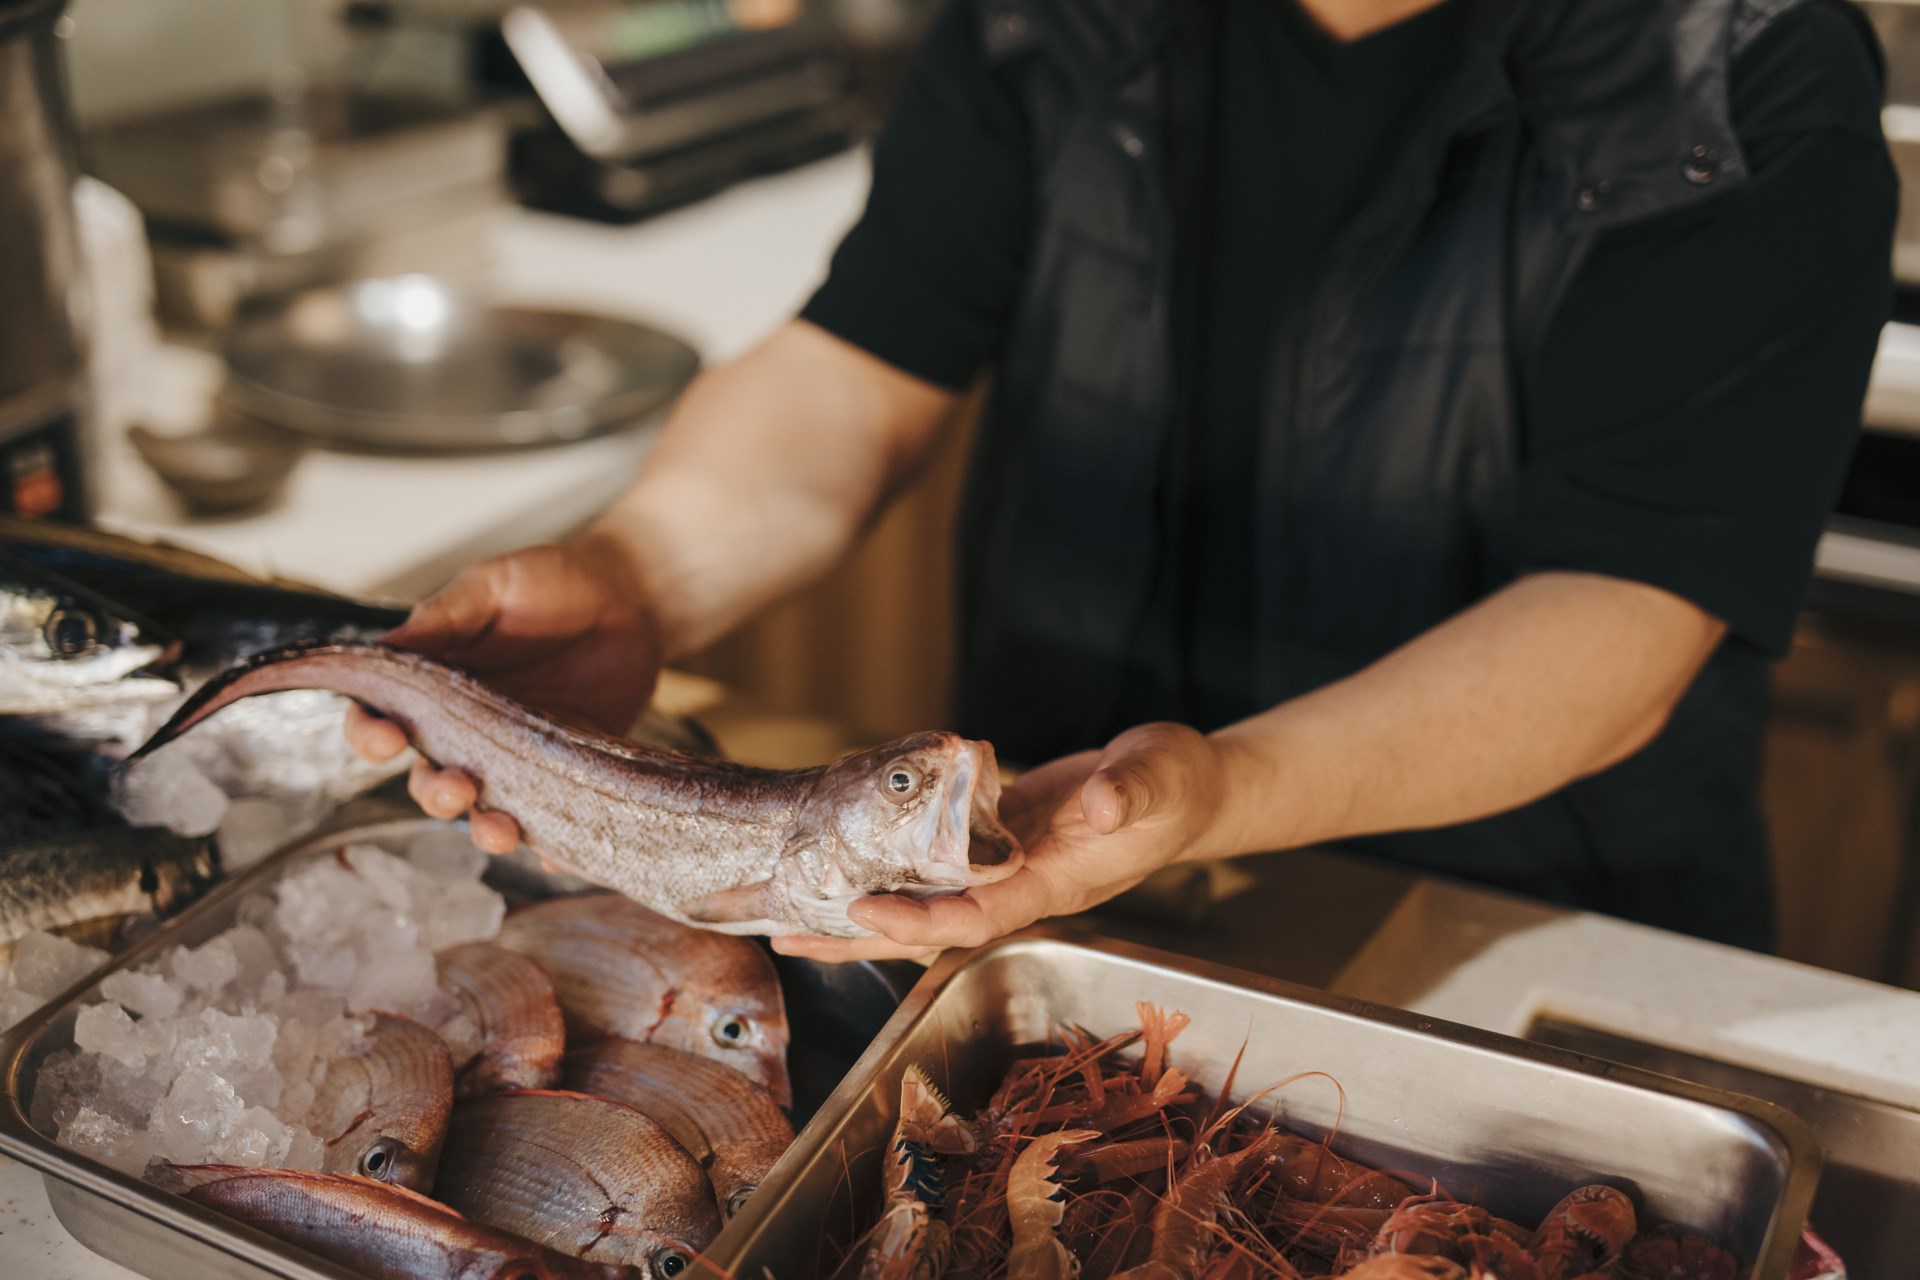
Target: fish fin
[[737, 905]]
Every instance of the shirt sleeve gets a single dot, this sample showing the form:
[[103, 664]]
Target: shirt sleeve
[[927, 278], [1699, 393]]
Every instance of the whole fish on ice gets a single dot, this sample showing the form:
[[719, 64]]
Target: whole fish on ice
[[385, 1232], [589, 1177], [382, 1107], [503, 1022], [89, 885], [622, 970], [728, 1123], [65, 648], [728, 847]]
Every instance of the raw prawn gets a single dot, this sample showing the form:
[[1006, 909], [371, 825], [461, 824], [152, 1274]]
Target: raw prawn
[[909, 1242], [1035, 1210], [1584, 1233]]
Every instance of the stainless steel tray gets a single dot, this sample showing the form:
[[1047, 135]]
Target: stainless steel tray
[[834, 1013], [1512, 1124]]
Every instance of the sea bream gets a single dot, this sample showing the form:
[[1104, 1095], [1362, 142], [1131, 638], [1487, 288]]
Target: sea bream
[[724, 846], [381, 1231], [587, 1176], [725, 1121], [619, 969], [65, 648]]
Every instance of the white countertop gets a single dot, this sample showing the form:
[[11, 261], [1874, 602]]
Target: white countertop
[[1497, 962], [721, 273]]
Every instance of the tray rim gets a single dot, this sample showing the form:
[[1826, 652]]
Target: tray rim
[[1804, 1159]]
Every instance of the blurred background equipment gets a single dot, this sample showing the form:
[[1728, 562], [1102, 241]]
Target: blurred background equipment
[[409, 363], [42, 366]]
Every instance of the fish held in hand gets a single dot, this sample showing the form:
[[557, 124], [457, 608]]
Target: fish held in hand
[[592, 1178], [621, 970], [382, 1108], [386, 1232], [728, 1123], [739, 849], [89, 885], [65, 648], [508, 1006]]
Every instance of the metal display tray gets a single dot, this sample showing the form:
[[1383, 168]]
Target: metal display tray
[[1511, 1124], [834, 1012]]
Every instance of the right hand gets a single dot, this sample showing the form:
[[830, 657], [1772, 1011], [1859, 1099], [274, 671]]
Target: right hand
[[564, 628]]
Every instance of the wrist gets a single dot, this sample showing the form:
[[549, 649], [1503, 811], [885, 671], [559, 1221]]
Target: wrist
[[1283, 788], [614, 555]]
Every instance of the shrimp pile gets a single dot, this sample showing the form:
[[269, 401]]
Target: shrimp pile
[[1088, 1164]]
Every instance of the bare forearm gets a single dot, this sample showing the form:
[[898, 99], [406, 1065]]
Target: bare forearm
[[1553, 679], [768, 470]]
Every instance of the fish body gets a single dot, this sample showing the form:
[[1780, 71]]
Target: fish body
[[622, 970], [728, 1123], [706, 842], [591, 1178], [93, 882], [509, 1002], [49, 790], [385, 1232], [65, 648], [382, 1108]]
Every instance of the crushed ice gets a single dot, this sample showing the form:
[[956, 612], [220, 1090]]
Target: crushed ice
[[219, 1053]]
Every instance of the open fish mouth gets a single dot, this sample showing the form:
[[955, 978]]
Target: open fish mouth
[[971, 827]]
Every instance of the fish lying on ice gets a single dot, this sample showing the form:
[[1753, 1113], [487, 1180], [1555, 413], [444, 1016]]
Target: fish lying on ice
[[725, 1121], [720, 845], [64, 648], [385, 1232], [592, 1178], [89, 885], [511, 1034], [621, 970], [382, 1107]]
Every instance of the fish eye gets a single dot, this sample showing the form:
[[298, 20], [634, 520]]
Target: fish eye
[[738, 1200], [70, 632], [379, 1159], [670, 1263], [900, 781], [732, 1031]]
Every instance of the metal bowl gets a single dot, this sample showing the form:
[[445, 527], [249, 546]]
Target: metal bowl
[[411, 363]]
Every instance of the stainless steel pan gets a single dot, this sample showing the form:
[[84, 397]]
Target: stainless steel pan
[[1516, 1125]]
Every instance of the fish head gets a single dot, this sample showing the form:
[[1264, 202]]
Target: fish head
[[387, 1158], [750, 1035], [918, 814], [64, 647]]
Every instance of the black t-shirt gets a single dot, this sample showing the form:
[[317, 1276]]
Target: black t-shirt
[[1700, 383]]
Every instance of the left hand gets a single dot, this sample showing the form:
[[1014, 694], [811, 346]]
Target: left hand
[[1094, 825]]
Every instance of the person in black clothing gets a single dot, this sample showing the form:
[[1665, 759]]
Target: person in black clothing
[[1412, 423]]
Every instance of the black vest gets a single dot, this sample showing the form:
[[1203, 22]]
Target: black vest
[[1397, 396]]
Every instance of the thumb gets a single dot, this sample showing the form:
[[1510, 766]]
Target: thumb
[[1140, 774], [457, 615]]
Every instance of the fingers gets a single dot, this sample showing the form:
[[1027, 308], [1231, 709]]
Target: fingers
[[443, 793], [458, 614], [374, 737], [842, 950], [493, 832], [969, 919], [1030, 801], [1141, 772], [448, 793]]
